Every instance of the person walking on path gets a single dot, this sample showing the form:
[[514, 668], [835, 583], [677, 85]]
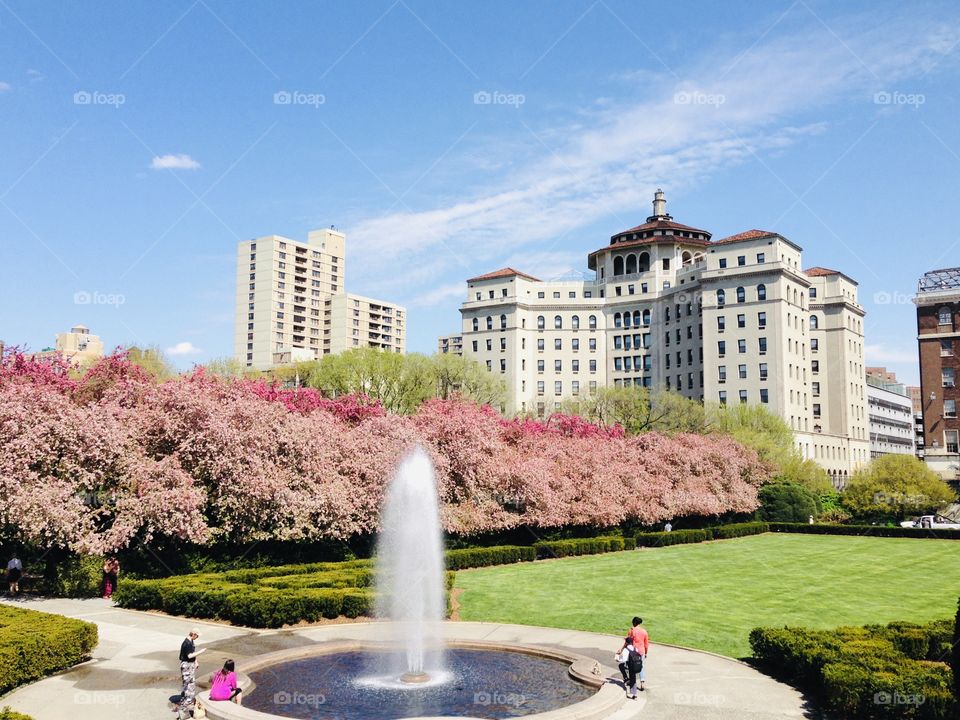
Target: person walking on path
[[188, 673], [637, 643], [111, 571], [14, 573]]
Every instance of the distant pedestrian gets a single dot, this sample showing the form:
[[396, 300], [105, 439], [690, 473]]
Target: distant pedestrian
[[811, 519], [223, 684], [111, 572], [668, 527], [14, 573], [188, 673]]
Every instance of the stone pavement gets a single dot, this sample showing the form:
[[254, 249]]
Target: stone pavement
[[134, 670]]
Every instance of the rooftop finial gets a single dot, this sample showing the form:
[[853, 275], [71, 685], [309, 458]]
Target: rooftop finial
[[659, 207]]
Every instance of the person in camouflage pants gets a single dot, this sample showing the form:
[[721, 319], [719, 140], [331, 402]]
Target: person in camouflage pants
[[188, 674]]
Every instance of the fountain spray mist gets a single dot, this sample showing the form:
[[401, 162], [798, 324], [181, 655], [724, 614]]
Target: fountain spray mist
[[410, 577]]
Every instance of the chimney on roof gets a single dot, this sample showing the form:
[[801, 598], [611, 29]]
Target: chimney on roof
[[659, 207]]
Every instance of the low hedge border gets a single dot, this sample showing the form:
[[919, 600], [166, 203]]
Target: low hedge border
[[36, 644], [874, 530], [893, 671], [683, 537], [582, 546]]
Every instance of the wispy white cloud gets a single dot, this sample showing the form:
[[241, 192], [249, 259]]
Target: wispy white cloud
[[35, 75], [183, 348], [174, 162], [4, 86], [688, 126], [878, 353], [438, 295]]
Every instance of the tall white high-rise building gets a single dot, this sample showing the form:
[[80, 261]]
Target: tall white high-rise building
[[292, 304], [731, 320]]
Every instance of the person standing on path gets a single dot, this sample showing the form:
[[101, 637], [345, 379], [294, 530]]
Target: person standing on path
[[188, 673], [14, 573], [111, 571]]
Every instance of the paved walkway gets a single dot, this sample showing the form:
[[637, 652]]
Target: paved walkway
[[134, 669]]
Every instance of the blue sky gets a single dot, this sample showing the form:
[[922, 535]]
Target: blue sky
[[139, 142]]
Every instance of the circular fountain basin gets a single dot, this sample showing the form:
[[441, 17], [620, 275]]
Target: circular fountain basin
[[346, 681]]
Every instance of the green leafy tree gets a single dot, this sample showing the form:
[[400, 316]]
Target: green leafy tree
[[638, 410], [894, 486], [153, 361], [225, 367], [457, 375], [787, 502]]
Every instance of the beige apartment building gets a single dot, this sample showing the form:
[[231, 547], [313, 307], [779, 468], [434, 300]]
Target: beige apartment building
[[732, 320], [78, 346], [452, 344], [292, 305]]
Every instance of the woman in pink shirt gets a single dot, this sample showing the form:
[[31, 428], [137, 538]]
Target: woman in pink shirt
[[223, 685]]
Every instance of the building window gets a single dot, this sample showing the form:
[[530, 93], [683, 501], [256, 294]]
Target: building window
[[556, 296], [539, 387], [721, 298], [816, 411], [813, 292], [723, 263], [741, 321], [743, 396], [741, 260], [949, 408], [593, 366], [617, 320], [540, 364], [723, 394], [540, 344], [503, 292], [558, 344], [948, 377], [558, 387], [944, 317], [474, 345], [618, 364], [503, 322], [815, 366], [761, 320], [814, 322], [815, 389], [557, 322], [541, 322], [593, 322], [558, 365], [489, 322], [489, 365], [814, 345], [950, 437], [742, 371], [721, 323], [741, 295], [761, 259], [764, 395], [540, 295], [593, 344], [575, 343], [721, 373], [761, 292], [489, 344], [763, 371], [666, 263], [576, 365], [575, 387], [722, 348], [503, 343], [741, 346], [763, 346], [575, 322], [503, 366]]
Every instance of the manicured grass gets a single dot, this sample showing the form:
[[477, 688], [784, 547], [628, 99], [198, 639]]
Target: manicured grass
[[711, 595]]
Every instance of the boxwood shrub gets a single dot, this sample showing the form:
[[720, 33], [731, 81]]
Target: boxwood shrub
[[874, 530], [892, 671], [674, 537], [35, 644], [578, 546], [484, 556]]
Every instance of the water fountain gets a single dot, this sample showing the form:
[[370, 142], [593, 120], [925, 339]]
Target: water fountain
[[399, 667], [410, 587]]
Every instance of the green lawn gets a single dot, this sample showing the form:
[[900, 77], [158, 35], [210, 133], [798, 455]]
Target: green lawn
[[711, 595]]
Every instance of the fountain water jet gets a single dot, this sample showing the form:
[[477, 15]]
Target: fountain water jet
[[410, 578]]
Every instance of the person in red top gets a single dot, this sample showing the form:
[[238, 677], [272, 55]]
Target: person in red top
[[639, 638]]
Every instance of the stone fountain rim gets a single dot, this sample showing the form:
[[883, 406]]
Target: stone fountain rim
[[606, 699]]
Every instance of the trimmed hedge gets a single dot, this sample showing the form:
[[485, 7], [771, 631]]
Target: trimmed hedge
[[582, 546], [875, 530], [682, 537], [35, 644], [892, 671], [485, 556]]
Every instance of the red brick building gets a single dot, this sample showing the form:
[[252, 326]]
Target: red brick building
[[938, 337]]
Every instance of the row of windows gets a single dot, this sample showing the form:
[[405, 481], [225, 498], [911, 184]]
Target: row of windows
[[745, 396], [558, 365], [742, 260], [741, 372], [741, 294], [742, 321], [742, 346]]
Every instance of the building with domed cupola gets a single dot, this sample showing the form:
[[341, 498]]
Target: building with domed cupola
[[668, 307]]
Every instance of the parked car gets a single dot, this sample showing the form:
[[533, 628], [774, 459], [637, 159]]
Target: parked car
[[935, 522]]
